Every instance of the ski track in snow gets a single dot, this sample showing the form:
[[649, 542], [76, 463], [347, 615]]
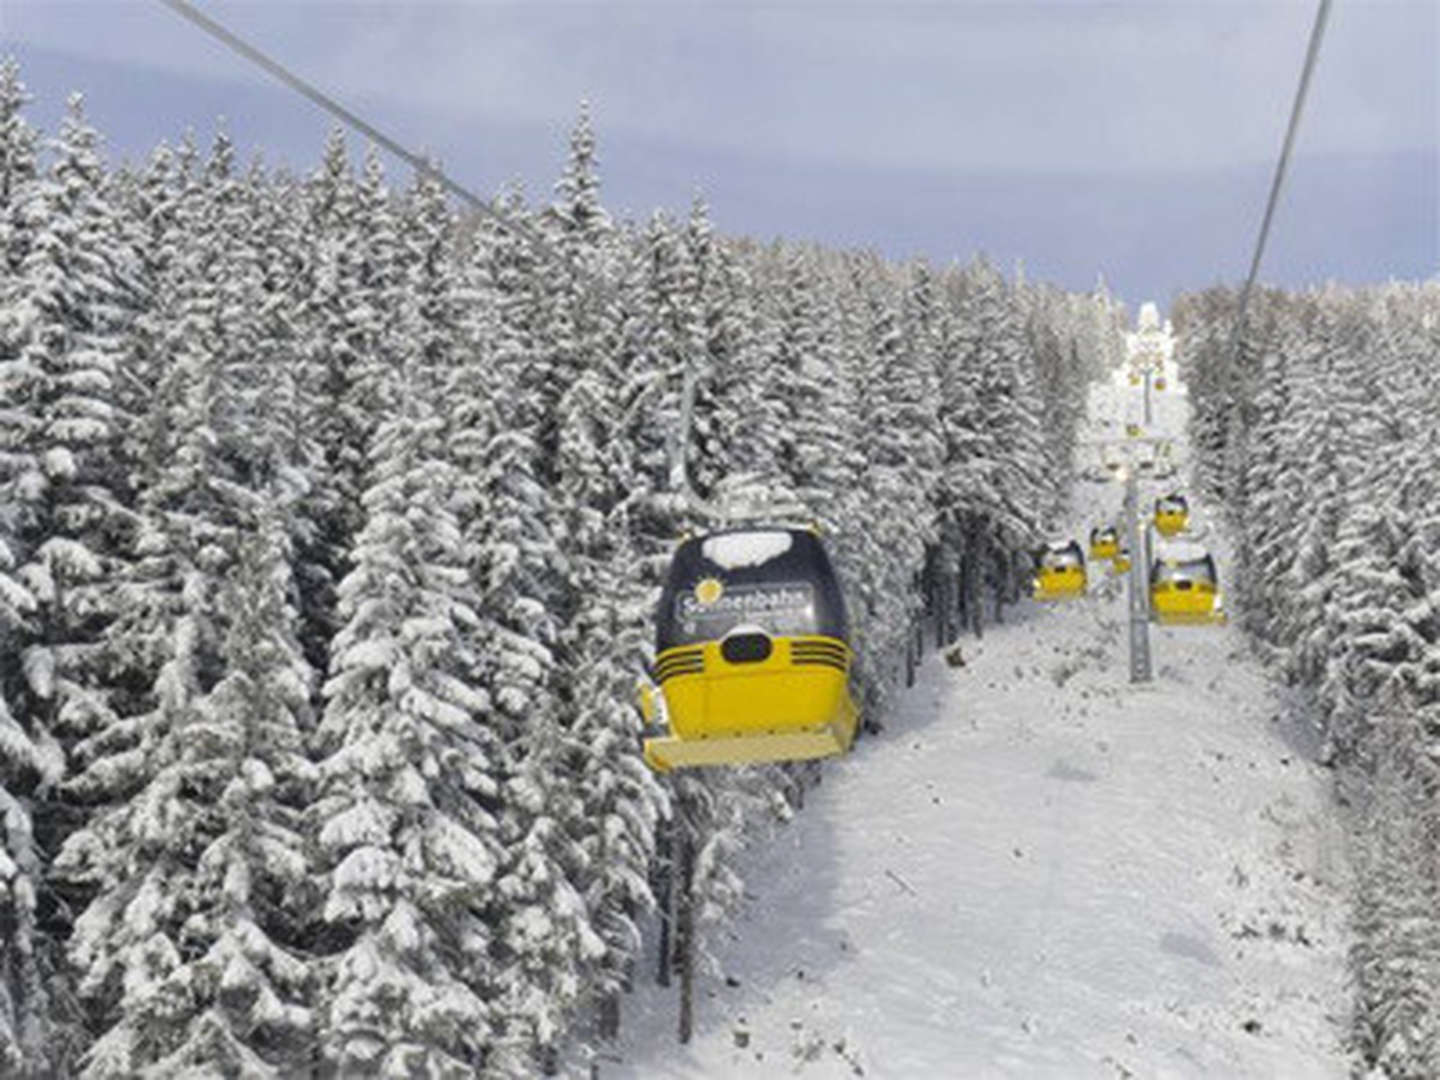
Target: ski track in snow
[[1040, 870]]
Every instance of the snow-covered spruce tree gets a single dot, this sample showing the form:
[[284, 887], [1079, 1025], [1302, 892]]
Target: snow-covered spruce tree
[[324, 292], [164, 213], [407, 820], [192, 952], [1202, 322], [1337, 421], [181, 354], [757, 433], [1361, 595], [633, 514], [712, 809], [272, 387], [1061, 380], [894, 456], [1267, 536], [18, 166], [506, 518], [432, 278], [994, 464], [1007, 400], [1396, 955], [662, 347], [67, 305], [23, 764], [1374, 647], [728, 436], [670, 330], [581, 806], [156, 849], [806, 372]]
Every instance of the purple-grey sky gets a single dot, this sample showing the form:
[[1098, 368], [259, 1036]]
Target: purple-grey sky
[[1133, 139]]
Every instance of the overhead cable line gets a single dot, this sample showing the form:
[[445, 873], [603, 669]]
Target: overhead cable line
[[1316, 33], [188, 11]]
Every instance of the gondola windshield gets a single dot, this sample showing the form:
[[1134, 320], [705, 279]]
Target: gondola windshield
[[778, 581], [1201, 569], [1059, 557]]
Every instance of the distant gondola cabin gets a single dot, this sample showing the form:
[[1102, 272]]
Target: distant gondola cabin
[[752, 652], [1104, 542], [1059, 571], [1184, 586], [1172, 514]]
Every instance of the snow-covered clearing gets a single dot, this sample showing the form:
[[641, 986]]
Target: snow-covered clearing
[[1040, 870]]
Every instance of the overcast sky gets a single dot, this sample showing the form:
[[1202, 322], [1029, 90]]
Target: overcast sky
[[1135, 140]]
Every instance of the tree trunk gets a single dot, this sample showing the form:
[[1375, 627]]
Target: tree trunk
[[664, 894], [685, 935], [973, 604], [936, 609], [609, 1022], [975, 552]]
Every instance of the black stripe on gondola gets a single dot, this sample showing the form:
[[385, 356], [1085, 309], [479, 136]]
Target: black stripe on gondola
[[796, 650], [818, 646], [820, 653], [819, 661], [672, 673], [697, 660], [817, 654], [688, 662]]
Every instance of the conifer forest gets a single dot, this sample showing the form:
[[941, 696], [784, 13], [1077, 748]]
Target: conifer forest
[[332, 524], [1321, 438]]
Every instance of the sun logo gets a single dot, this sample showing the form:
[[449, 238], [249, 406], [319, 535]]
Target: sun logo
[[708, 591]]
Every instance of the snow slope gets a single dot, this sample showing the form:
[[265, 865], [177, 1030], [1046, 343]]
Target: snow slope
[[1040, 870]]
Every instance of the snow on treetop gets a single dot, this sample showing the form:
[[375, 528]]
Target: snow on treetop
[[733, 551]]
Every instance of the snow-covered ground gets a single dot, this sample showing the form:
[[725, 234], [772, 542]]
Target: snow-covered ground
[[1039, 869]]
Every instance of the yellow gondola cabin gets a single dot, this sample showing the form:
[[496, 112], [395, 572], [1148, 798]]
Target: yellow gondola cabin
[[752, 652], [1184, 587], [1059, 571], [1172, 514], [1104, 542]]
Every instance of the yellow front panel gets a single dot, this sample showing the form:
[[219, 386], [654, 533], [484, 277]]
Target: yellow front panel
[[1180, 606], [771, 696], [1060, 584], [1104, 549], [1170, 523], [666, 753]]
